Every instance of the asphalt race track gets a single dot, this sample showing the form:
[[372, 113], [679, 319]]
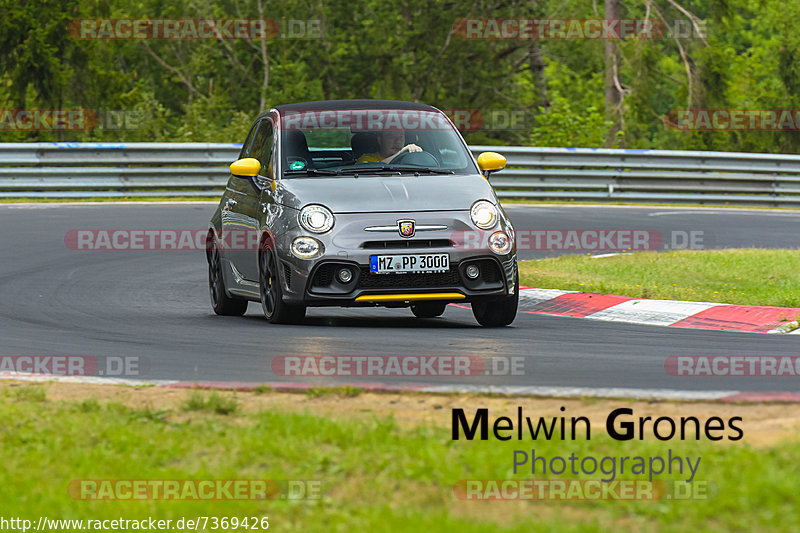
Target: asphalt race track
[[154, 305], [714, 228]]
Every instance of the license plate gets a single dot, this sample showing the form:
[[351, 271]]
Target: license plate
[[401, 264]]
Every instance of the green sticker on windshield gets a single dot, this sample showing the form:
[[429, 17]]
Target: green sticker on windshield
[[297, 165]]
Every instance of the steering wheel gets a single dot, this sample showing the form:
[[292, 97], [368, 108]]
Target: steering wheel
[[417, 159]]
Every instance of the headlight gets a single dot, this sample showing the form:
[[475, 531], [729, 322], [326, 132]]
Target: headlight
[[483, 214], [500, 242], [316, 218], [305, 247]]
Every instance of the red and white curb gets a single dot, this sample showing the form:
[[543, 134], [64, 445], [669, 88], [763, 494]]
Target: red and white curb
[[674, 313], [511, 390]]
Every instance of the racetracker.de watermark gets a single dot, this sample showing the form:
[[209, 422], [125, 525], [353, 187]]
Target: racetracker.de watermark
[[46, 119], [733, 119], [588, 240], [580, 489], [576, 29], [733, 365], [156, 239], [377, 120], [194, 29], [365, 120], [572, 240], [397, 365], [467, 120], [194, 489], [70, 119], [72, 365]]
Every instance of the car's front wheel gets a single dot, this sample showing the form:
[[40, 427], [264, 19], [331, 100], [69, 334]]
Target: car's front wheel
[[428, 309], [497, 313], [220, 301], [275, 309]]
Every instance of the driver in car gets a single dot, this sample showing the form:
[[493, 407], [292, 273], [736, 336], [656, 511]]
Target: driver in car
[[390, 145]]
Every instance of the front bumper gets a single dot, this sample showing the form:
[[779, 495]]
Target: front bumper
[[315, 282]]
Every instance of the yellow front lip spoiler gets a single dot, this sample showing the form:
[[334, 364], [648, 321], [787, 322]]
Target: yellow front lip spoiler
[[410, 297]]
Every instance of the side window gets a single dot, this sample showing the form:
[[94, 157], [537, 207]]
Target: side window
[[248, 143], [262, 147]]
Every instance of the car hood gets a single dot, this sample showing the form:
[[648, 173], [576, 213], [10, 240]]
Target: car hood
[[366, 194]]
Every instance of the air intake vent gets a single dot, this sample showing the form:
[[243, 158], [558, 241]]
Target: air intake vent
[[400, 244], [408, 281], [287, 274]]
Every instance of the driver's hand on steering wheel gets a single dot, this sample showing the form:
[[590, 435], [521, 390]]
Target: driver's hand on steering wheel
[[407, 148]]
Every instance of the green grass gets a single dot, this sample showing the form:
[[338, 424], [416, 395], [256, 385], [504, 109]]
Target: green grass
[[376, 475], [347, 391], [213, 403], [748, 276], [30, 393]]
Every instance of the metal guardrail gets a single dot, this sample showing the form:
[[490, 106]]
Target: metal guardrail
[[81, 170], [62, 170]]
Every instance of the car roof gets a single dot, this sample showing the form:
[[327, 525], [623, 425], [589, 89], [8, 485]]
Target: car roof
[[324, 105]]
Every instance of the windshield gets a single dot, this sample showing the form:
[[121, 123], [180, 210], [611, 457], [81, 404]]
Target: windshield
[[347, 142]]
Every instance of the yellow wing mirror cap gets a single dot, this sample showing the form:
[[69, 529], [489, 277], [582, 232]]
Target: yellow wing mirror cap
[[249, 166], [491, 162]]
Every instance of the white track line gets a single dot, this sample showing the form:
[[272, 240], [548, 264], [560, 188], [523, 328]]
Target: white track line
[[561, 392], [601, 256], [536, 296], [747, 212], [642, 311], [656, 312], [666, 394], [786, 327], [95, 380]]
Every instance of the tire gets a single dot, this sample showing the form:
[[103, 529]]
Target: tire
[[428, 309], [220, 301], [275, 309], [497, 313]]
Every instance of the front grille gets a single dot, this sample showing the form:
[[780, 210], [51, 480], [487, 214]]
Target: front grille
[[368, 280], [406, 243]]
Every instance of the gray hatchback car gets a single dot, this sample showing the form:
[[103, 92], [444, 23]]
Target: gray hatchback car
[[361, 203]]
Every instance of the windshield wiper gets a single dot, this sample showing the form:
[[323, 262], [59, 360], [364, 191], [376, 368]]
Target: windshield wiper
[[313, 172], [423, 170], [391, 168]]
